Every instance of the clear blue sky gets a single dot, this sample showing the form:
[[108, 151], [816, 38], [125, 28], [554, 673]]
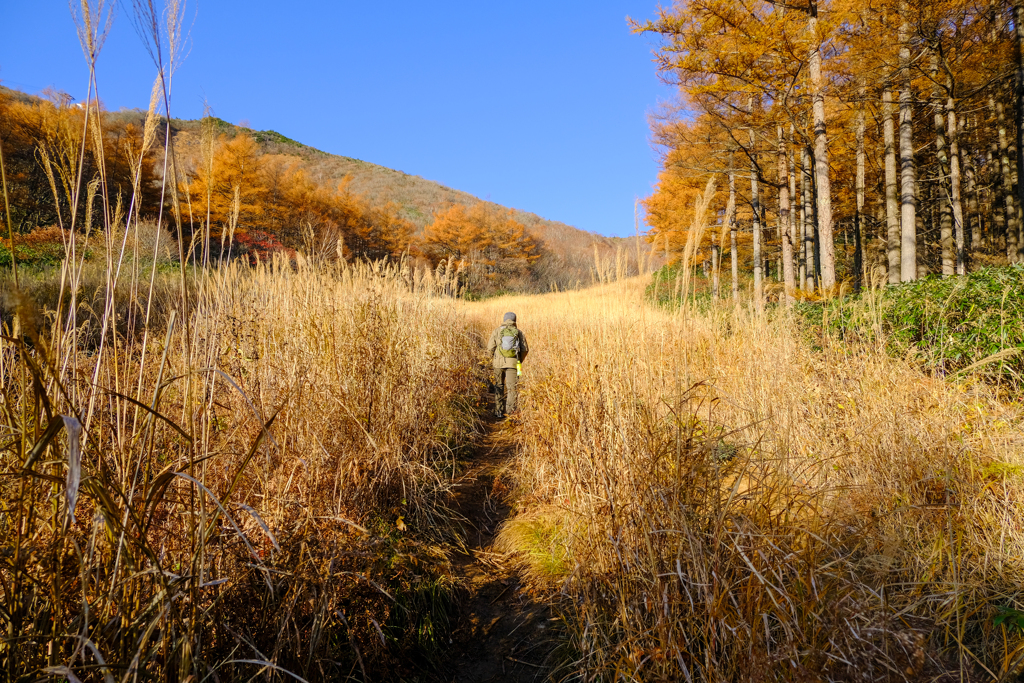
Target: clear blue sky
[[536, 105]]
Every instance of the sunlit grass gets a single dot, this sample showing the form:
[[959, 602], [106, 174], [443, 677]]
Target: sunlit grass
[[743, 504]]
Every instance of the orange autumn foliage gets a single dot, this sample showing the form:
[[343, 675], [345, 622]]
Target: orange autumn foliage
[[253, 191], [44, 154], [489, 240], [742, 70]]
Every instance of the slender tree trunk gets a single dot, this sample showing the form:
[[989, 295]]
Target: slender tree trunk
[[973, 226], [796, 239], [1007, 183], [809, 227], [908, 170], [716, 258], [973, 206], [816, 251], [823, 184], [858, 223], [892, 219], [923, 228], [755, 203], [730, 211], [954, 184], [1018, 101], [788, 278], [944, 190], [994, 167], [802, 228]]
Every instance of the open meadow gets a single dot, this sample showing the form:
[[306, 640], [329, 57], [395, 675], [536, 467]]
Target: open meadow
[[262, 481], [724, 496]]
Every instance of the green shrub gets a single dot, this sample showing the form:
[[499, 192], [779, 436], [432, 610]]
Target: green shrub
[[951, 325], [664, 288]]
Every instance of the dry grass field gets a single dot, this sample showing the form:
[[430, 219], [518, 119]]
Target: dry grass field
[[225, 488], [251, 471], [721, 496]]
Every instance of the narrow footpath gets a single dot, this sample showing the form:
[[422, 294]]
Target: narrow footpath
[[503, 634]]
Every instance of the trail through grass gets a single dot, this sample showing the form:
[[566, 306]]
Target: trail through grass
[[505, 631], [711, 497], [294, 473]]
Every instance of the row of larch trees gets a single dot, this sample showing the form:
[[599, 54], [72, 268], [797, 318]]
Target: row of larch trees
[[857, 137]]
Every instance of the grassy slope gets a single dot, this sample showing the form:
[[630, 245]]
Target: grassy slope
[[712, 496]]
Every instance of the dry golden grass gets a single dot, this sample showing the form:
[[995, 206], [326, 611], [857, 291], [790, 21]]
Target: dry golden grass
[[263, 480], [735, 505], [246, 473]]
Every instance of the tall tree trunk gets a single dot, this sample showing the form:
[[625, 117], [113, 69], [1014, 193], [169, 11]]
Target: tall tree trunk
[[923, 228], [973, 227], [802, 226], [1019, 221], [716, 259], [973, 206], [814, 223], [730, 210], [823, 184], [1007, 183], [994, 168], [1018, 101], [908, 170], [785, 235], [954, 183], [755, 203], [944, 190], [892, 219], [808, 216], [858, 223], [795, 237]]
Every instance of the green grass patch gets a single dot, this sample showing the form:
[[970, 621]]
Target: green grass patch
[[44, 254], [952, 326]]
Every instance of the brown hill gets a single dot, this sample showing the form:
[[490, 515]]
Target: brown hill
[[378, 197], [571, 254]]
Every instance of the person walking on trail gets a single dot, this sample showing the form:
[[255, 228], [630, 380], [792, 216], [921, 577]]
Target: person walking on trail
[[508, 350]]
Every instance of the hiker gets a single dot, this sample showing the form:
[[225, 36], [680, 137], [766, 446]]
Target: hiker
[[508, 350]]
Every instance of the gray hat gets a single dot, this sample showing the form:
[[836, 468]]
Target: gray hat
[[509, 318]]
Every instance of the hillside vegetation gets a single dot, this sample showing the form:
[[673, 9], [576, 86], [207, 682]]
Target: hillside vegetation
[[718, 496], [235, 192]]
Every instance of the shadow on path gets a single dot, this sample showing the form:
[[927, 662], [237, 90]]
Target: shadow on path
[[503, 634]]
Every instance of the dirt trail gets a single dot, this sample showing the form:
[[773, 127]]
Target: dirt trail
[[502, 634]]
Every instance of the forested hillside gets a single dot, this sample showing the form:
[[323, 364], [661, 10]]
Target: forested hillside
[[237, 192], [848, 139]]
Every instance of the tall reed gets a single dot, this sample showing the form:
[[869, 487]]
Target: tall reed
[[274, 516], [708, 497], [218, 473]]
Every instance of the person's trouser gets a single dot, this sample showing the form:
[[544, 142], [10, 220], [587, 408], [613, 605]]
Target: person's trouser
[[505, 394]]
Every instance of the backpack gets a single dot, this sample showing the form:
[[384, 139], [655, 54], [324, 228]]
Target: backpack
[[509, 347]]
